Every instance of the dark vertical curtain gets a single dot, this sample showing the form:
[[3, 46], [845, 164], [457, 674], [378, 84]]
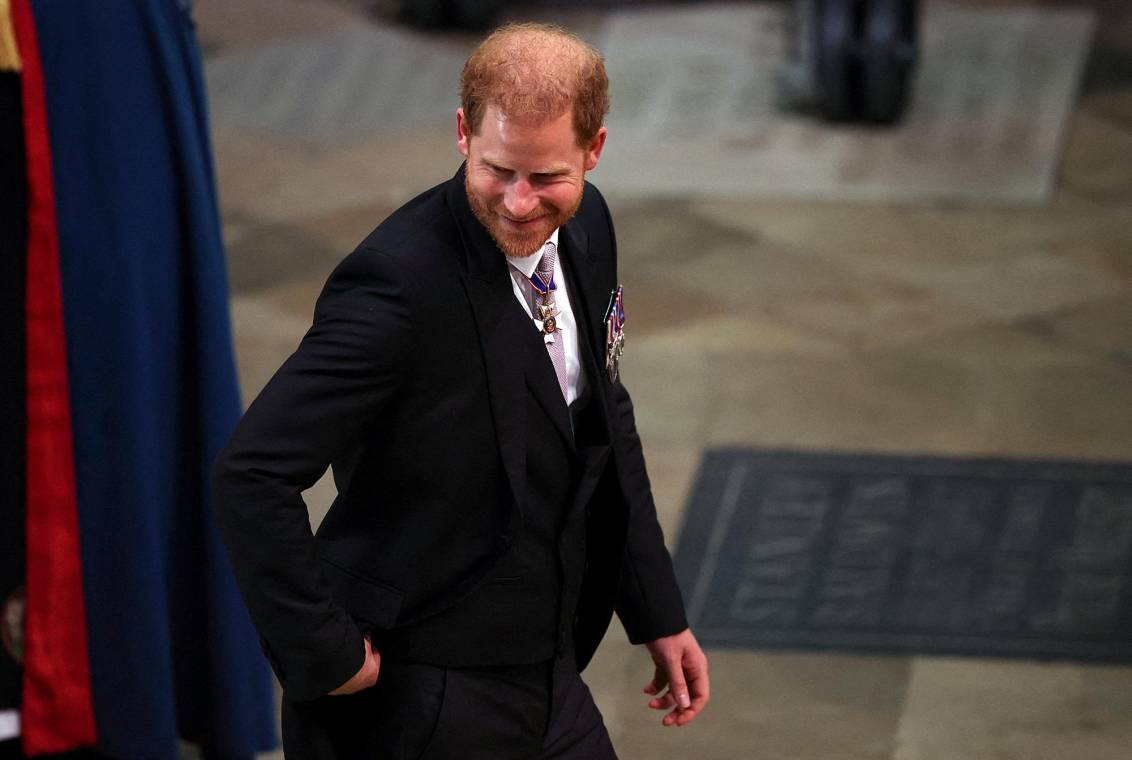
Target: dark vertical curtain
[[13, 429], [55, 702], [152, 380]]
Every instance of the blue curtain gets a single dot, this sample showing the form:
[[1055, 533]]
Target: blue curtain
[[152, 378]]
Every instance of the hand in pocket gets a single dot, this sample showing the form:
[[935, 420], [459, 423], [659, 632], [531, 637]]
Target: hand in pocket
[[366, 676]]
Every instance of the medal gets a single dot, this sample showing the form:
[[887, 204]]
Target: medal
[[615, 334], [545, 313], [547, 319], [541, 287]]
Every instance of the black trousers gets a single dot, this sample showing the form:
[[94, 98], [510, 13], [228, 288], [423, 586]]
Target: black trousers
[[11, 750], [426, 712]]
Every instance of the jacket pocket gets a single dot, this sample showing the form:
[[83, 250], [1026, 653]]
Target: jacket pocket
[[369, 601]]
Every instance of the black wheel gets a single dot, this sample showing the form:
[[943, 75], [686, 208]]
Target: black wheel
[[837, 61], [888, 40], [471, 15]]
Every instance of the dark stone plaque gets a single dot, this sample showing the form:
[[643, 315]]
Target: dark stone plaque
[[910, 554]]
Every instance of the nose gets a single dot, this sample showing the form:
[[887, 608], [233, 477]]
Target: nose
[[519, 199]]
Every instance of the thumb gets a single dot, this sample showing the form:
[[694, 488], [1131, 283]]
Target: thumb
[[373, 660]]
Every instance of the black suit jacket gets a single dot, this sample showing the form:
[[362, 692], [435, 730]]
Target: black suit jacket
[[408, 383]]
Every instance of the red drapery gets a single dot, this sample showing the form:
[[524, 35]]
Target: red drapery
[[56, 711]]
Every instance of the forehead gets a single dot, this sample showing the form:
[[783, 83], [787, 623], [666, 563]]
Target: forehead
[[501, 138]]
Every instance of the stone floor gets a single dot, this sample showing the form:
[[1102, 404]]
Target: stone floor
[[957, 328]]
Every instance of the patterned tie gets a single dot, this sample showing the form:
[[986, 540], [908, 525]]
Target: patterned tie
[[546, 313]]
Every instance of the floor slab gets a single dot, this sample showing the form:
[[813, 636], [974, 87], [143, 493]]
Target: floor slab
[[994, 710]]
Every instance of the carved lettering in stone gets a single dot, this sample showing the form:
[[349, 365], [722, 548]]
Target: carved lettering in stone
[[1103, 533], [852, 596], [868, 532], [1004, 601], [954, 518], [777, 567], [1088, 604], [853, 589], [936, 594], [1025, 511]]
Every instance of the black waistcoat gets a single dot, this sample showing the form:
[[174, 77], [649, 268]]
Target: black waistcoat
[[524, 611]]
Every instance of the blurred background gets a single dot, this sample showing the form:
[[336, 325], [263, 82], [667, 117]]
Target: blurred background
[[877, 259], [958, 283]]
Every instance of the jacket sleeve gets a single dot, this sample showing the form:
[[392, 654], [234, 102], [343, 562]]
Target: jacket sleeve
[[345, 369], [649, 603]]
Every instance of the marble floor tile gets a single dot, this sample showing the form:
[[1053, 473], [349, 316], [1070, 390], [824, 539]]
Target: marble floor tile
[[224, 26], [772, 706], [286, 180], [261, 256], [994, 710], [694, 96]]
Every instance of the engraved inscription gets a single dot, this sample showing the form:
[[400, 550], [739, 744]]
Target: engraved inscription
[[778, 565], [864, 551], [1095, 563], [951, 532], [956, 561], [1103, 533], [1005, 601], [1025, 511]]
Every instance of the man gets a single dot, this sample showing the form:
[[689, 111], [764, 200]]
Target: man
[[493, 508]]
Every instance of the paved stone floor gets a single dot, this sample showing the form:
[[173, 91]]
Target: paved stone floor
[[953, 328]]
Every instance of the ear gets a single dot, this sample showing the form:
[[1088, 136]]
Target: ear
[[463, 132], [594, 149]]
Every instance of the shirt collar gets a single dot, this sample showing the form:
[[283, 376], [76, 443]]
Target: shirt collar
[[528, 264]]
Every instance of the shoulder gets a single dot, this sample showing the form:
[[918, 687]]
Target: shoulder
[[412, 244], [418, 234], [593, 207], [594, 217], [593, 213]]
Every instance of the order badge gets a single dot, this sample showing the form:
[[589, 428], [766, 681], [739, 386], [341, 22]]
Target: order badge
[[615, 333]]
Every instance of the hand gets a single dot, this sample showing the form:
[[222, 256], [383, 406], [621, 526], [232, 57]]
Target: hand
[[682, 667], [367, 676]]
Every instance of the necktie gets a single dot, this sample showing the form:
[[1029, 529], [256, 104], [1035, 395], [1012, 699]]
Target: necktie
[[546, 313]]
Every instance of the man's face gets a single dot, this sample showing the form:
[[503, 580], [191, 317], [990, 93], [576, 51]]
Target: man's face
[[523, 179]]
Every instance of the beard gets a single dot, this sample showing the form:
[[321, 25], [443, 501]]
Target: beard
[[516, 243]]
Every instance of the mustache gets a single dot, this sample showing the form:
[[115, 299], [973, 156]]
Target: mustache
[[524, 219]]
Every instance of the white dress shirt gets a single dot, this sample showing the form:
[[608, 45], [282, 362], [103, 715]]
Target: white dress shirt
[[9, 724], [567, 325]]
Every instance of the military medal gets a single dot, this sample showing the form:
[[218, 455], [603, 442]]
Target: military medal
[[615, 334], [547, 319]]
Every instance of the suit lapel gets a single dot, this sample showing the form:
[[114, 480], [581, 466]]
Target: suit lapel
[[585, 294], [506, 388], [580, 270], [488, 287], [513, 352]]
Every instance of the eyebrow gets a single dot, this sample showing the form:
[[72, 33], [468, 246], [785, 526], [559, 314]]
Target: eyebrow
[[550, 171]]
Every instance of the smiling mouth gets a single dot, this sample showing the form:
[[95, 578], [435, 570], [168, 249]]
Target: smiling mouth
[[523, 222]]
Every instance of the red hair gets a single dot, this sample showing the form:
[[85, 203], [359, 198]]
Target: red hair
[[536, 72]]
